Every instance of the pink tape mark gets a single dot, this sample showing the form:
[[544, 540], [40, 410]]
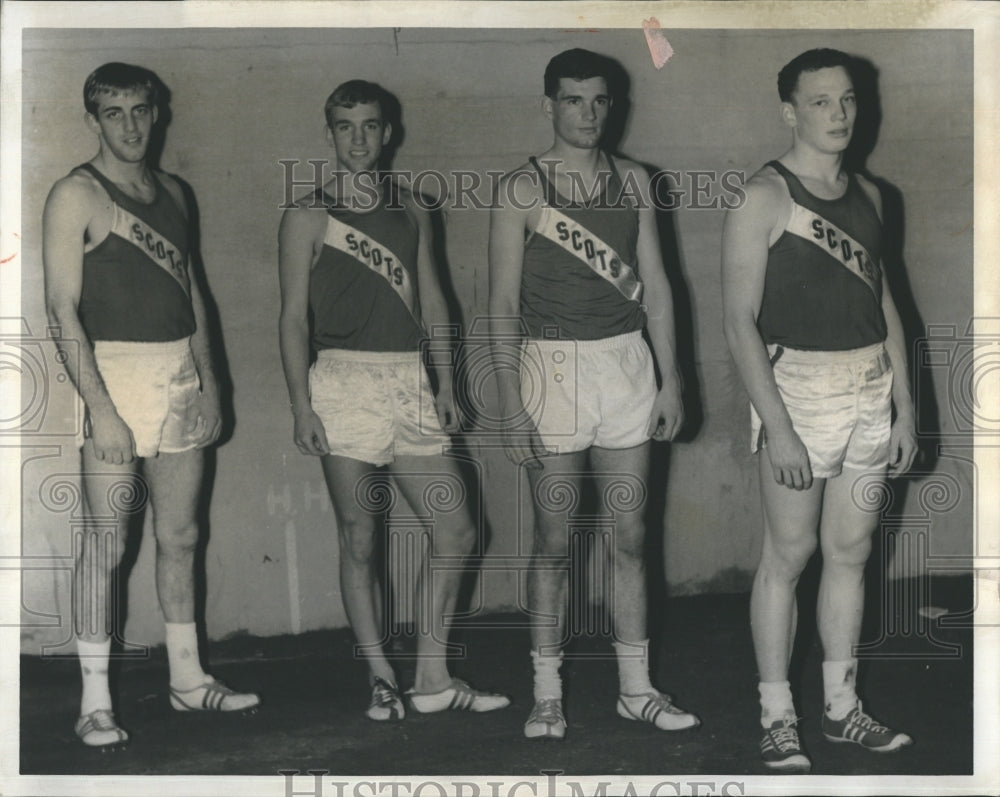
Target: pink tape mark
[[656, 39]]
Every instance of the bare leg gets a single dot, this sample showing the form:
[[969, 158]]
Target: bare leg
[[555, 490], [452, 536], [845, 535], [620, 477], [791, 519], [110, 493], [103, 543], [358, 582], [175, 484]]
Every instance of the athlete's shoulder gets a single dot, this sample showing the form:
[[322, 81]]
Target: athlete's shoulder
[[766, 186], [519, 190], [75, 199], [305, 216], [417, 209], [177, 189], [871, 190], [627, 166], [78, 185]]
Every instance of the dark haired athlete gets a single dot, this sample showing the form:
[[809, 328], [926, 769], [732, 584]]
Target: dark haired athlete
[[573, 250], [116, 254], [819, 345]]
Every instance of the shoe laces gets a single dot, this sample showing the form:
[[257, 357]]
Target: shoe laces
[[384, 693], [867, 722], [104, 720], [665, 703], [787, 736], [547, 710]]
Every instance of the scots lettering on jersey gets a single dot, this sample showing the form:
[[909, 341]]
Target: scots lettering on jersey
[[596, 253], [373, 255], [589, 248], [153, 244], [812, 227], [834, 239]]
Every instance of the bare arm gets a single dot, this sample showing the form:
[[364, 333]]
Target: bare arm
[[902, 439], [206, 421], [508, 224], [667, 416], [434, 311], [68, 212], [745, 242], [298, 239]]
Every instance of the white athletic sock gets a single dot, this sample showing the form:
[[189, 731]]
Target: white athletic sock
[[548, 683], [633, 667], [775, 702], [94, 658], [182, 655], [839, 695]]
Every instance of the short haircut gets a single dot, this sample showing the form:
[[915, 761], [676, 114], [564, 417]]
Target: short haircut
[[809, 61], [577, 64], [355, 92], [117, 78]]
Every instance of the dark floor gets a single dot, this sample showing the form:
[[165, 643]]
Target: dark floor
[[314, 696]]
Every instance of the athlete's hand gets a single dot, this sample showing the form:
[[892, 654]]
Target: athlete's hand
[[667, 416], [309, 435], [522, 443], [204, 421], [902, 446], [112, 439], [447, 411], [789, 460]]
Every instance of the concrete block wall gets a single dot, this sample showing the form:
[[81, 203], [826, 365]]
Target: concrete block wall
[[244, 99]]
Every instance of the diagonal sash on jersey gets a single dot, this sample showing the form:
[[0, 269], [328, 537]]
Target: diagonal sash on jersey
[[812, 227], [153, 244], [600, 258], [374, 255]]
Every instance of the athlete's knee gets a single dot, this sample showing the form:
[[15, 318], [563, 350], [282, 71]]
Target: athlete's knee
[[357, 537], [550, 540], [454, 539], [179, 538], [101, 549], [630, 538], [842, 551], [788, 558]]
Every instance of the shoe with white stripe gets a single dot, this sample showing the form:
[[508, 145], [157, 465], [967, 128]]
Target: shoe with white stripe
[[657, 709], [213, 695], [99, 730], [386, 702], [780, 748], [457, 697], [861, 729]]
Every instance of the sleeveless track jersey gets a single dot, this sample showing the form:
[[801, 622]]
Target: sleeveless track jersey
[[364, 283], [560, 292], [135, 282], [823, 283]]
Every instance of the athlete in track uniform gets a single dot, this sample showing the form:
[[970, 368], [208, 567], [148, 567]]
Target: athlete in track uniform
[[116, 256], [573, 251], [819, 345], [357, 257]]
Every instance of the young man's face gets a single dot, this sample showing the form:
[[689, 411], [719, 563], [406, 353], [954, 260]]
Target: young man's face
[[579, 111], [358, 135], [123, 123], [823, 109]]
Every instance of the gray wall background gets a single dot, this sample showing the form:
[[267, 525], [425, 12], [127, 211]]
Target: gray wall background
[[243, 99]]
